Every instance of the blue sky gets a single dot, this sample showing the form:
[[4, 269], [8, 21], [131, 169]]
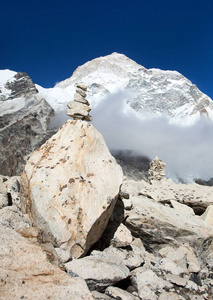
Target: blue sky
[[50, 39]]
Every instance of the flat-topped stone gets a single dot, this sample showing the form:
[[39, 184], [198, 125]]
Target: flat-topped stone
[[79, 98], [82, 86], [76, 108]]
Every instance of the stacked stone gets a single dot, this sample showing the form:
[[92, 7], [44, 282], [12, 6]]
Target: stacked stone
[[79, 108], [157, 170]]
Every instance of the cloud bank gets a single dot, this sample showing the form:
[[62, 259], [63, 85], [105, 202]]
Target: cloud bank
[[187, 151]]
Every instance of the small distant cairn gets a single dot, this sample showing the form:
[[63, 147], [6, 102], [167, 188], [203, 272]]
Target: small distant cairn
[[157, 170], [79, 108]]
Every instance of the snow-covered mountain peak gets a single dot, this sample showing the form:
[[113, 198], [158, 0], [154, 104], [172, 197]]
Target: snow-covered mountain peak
[[148, 92], [104, 70], [6, 75]]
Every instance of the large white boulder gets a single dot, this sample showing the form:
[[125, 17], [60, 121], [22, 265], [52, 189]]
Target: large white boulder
[[69, 188]]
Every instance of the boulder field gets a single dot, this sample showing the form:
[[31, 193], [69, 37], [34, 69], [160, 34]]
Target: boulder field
[[73, 227]]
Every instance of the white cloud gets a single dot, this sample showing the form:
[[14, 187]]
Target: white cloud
[[187, 151]]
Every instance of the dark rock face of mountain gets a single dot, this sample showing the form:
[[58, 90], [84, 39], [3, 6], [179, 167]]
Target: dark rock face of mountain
[[134, 165], [22, 86], [24, 120]]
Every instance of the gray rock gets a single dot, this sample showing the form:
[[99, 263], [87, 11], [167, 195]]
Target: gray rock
[[183, 257], [170, 296], [97, 272], [100, 296], [131, 188], [24, 123], [79, 98], [76, 113], [170, 267], [78, 108], [131, 259], [141, 279], [122, 237], [176, 279], [146, 293], [120, 294], [11, 217]]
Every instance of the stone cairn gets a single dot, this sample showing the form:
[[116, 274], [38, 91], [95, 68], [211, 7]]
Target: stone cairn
[[79, 108], [157, 170]]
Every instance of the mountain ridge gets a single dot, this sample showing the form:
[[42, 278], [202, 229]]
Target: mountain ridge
[[148, 92]]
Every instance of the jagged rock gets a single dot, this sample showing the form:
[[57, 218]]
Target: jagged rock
[[182, 256], [122, 237], [170, 267], [206, 253], [142, 279], [207, 216], [25, 272], [97, 272], [69, 188], [157, 224], [120, 294], [111, 254], [24, 121], [157, 170]]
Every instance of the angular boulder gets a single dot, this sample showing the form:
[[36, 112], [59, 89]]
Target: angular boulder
[[157, 225], [97, 272], [69, 188]]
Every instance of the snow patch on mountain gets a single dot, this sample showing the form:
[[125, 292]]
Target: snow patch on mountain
[[6, 76]]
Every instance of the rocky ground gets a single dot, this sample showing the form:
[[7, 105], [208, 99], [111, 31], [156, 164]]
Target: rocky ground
[[73, 227]]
